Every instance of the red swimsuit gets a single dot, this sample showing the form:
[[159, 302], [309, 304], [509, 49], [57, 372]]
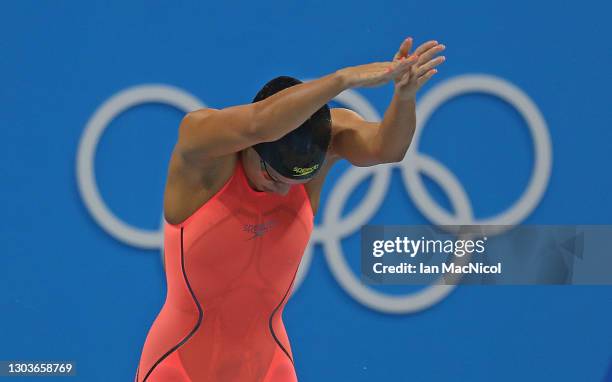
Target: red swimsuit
[[229, 270]]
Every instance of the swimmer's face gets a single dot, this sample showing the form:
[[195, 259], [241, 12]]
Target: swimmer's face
[[265, 178]]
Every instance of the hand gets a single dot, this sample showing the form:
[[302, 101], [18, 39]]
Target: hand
[[375, 74], [425, 55]]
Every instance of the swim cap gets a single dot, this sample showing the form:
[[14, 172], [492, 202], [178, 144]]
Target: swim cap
[[300, 153]]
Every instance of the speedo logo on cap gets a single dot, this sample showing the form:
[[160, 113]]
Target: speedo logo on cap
[[303, 171]]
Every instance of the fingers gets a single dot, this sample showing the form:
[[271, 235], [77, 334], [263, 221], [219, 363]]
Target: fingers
[[422, 69], [405, 79], [411, 72], [410, 76], [406, 67], [425, 77], [425, 46], [404, 49], [402, 65], [430, 53], [421, 74]]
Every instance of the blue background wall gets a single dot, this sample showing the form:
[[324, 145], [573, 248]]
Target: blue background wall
[[69, 290]]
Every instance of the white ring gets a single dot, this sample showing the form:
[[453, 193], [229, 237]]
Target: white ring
[[410, 303], [537, 126]]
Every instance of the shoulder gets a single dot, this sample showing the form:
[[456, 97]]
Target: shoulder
[[343, 122], [189, 131], [197, 116], [345, 119], [341, 116]]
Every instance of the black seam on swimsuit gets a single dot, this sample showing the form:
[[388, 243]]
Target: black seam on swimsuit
[[272, 316], [199, 312]]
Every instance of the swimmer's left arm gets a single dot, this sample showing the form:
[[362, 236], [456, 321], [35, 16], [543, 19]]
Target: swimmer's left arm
[[366, 143]]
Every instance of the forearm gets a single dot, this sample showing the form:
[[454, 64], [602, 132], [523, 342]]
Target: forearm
[[397, 128], [399, 123], [284, 111]]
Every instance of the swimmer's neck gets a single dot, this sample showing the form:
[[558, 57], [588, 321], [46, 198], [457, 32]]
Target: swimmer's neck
[[241, 157]]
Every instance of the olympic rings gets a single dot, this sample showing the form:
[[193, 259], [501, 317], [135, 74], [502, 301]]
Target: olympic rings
[[334, 228]]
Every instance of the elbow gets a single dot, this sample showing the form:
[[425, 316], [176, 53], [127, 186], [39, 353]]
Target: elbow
[[391, 156]]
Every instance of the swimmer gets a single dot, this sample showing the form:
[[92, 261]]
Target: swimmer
[[243, 186]]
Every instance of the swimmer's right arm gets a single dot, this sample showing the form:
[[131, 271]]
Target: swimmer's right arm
[[209, 133]]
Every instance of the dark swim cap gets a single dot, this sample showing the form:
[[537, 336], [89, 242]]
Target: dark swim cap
[[300, 153]]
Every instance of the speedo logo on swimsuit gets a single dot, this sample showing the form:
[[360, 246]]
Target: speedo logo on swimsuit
[[301, 171], [259, 229]]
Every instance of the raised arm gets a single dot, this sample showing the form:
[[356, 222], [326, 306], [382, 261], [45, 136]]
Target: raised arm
[[213, 133], [209, 133], [368, 143]]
